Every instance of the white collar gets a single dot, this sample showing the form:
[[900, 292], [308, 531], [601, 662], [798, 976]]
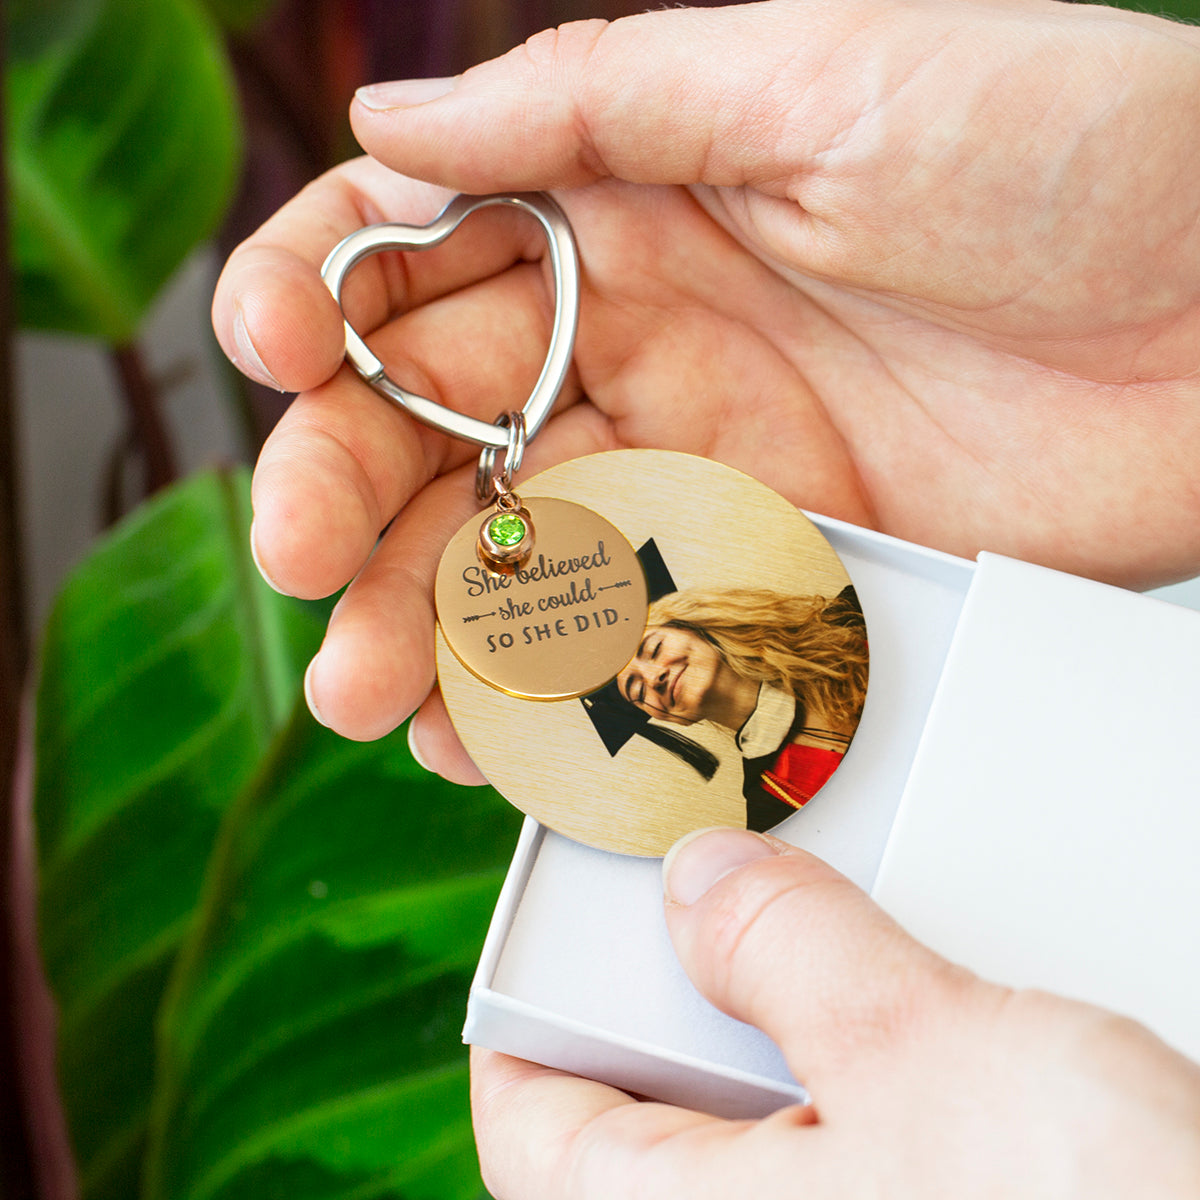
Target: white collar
[[767, 727]]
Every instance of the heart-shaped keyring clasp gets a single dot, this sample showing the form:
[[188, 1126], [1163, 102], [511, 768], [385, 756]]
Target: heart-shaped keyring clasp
[[564, 261]]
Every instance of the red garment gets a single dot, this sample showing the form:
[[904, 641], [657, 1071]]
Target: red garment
[[799, 772]]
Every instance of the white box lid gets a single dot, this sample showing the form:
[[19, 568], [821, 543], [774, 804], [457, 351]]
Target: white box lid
[[1049, 833]]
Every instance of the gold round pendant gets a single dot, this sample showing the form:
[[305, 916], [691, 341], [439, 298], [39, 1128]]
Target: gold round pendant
[[702, 640], [555, 621]]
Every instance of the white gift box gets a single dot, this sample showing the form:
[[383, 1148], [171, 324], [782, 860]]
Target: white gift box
[[1023, 794]]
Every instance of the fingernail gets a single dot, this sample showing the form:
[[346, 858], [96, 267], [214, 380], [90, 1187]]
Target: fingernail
[[248, 360], [700, 859], [258, 563], [403, 93], [418, 758], [308, 696]]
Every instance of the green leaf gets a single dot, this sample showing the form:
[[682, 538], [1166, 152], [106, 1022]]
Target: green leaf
[[123, 148], [168, 669], [33, 26], [305, 949], [310, 1043], [1182, 10]]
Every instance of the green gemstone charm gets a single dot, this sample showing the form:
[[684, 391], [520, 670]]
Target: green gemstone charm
[[507, 529], [506, 536]]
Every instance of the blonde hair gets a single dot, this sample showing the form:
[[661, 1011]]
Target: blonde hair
[[813, 647]]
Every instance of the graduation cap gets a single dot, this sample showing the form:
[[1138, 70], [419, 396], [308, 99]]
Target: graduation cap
[[616, 720]]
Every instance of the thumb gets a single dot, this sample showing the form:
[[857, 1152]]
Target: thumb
[[678, 96], [775, 937]]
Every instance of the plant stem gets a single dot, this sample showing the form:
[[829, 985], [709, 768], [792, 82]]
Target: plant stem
[[144, 405], [14, 638], [16, 1165]]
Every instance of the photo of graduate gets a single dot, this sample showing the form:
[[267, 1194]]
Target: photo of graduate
[[783, 677]]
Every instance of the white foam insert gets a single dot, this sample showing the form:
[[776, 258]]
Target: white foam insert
[[1041, 818], [578, 971]]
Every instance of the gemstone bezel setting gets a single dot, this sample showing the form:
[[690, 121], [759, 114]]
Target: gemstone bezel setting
[[505, 540]]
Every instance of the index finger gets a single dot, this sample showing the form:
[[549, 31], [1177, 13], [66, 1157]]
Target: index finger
[[342, 462], [275, 319]]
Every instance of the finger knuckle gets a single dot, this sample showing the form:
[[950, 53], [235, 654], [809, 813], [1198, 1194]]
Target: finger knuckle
[[742, 928], [564, 48], [768, 916], [606, 1157], [1082, 1036], [568, 62]]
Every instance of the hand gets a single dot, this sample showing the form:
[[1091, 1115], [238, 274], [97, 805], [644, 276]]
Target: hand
[[932, 267], [926, 1082]]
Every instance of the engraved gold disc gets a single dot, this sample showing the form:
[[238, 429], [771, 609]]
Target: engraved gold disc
[[734, 680], [559, 626]]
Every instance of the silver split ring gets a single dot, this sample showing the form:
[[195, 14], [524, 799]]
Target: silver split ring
[[488, 481]]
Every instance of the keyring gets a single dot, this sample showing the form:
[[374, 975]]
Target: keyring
[[682, 677], [488, 482], [564, 262]]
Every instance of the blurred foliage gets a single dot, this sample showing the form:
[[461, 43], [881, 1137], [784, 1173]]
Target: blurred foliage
[[260, 936], [167, 669], [1182, 10], [122, 144], [316, 962]]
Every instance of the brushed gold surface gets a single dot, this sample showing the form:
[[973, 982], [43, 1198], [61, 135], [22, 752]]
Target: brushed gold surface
[[559, 626], [715, 527]]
